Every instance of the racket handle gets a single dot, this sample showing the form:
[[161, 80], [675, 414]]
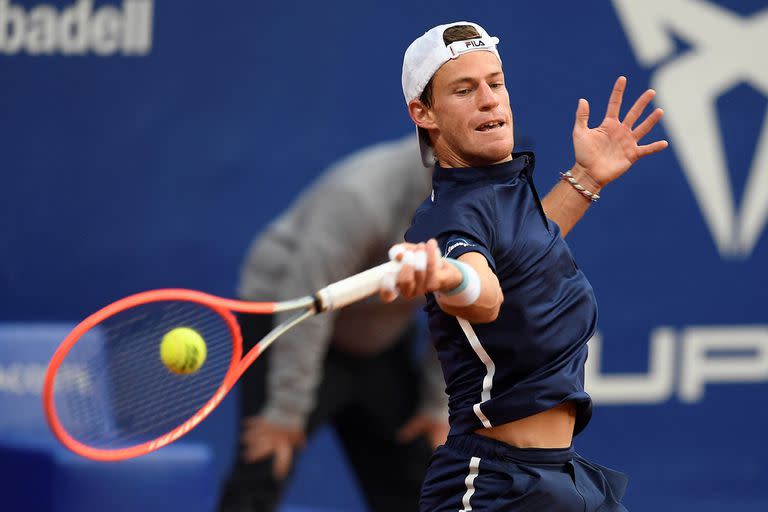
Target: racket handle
[[354, 288]]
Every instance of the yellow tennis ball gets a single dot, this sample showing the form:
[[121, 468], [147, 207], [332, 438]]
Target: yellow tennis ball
[[183, 350]]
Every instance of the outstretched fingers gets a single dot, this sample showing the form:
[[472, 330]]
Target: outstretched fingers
[[637, 109], [582, 115], [648, 124], [614, 103], [654, 147]]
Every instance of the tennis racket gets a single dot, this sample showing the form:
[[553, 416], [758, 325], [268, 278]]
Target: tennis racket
[[107, 394]]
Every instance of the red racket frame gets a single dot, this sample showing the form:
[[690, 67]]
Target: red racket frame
[[237, 366]]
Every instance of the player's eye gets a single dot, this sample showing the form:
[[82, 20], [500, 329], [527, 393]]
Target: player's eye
[[463, 92]]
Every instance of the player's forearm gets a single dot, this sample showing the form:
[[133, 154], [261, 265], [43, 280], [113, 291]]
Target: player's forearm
[[564, 205], [486, 307]]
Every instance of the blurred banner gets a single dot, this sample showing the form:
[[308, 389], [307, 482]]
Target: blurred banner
[[144, 143]]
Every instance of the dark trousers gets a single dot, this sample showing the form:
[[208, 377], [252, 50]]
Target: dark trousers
[[472, 472], [366, 399]]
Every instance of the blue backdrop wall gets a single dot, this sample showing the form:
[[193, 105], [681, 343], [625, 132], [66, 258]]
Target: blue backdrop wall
[[144, 143]]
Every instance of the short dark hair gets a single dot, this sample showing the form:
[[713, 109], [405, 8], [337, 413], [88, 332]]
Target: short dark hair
[[451, 35]]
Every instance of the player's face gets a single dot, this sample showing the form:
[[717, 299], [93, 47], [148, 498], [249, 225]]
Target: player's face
[[471, 112]]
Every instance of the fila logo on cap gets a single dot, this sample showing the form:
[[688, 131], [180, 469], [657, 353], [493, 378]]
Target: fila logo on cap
[[470, 45]]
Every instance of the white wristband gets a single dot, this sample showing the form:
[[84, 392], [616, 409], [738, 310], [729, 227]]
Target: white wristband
[[468, 290]]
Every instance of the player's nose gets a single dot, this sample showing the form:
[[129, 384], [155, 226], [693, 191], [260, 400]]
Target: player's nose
[[486, 97]]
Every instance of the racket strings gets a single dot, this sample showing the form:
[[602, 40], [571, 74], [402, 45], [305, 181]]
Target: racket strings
[[113, 390], [131, 358]]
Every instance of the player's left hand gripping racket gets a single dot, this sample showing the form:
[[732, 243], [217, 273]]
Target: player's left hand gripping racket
[[107, 394]]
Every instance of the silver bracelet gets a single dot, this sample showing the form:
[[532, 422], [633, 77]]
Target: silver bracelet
[[567, 176]]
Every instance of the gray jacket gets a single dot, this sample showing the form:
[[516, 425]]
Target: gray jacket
[[343, 224]]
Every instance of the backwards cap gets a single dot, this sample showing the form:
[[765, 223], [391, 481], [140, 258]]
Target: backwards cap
[[425, 56]]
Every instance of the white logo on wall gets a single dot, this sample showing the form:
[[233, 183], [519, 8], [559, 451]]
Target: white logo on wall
[[726, 50], [77, 29], [698, 356]]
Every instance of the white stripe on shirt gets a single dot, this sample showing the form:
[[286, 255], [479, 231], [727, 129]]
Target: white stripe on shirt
[[490, 369]]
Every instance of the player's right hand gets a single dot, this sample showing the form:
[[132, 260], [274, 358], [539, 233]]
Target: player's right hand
[[423, 271], [261, 438]]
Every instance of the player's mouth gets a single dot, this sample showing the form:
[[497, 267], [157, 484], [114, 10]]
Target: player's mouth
[[490, 126]]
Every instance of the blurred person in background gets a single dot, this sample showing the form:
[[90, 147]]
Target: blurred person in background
[[354, 369]]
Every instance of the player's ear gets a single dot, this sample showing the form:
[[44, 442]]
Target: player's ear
[[422, 115]]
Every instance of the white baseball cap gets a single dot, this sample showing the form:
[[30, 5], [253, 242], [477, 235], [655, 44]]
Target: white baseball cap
[[425, 56]]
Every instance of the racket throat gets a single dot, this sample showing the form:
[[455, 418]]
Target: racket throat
[[317, 303]]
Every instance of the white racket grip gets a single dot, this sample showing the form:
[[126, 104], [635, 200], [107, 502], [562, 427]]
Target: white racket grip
[[354, 288]]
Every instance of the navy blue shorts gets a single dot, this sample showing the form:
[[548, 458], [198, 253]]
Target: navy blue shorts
[[472, 472]]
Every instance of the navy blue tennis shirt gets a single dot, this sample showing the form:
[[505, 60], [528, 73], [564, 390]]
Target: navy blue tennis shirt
[[531, 358]]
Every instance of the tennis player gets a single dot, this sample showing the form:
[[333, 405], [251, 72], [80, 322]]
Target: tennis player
[[509, 310]]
